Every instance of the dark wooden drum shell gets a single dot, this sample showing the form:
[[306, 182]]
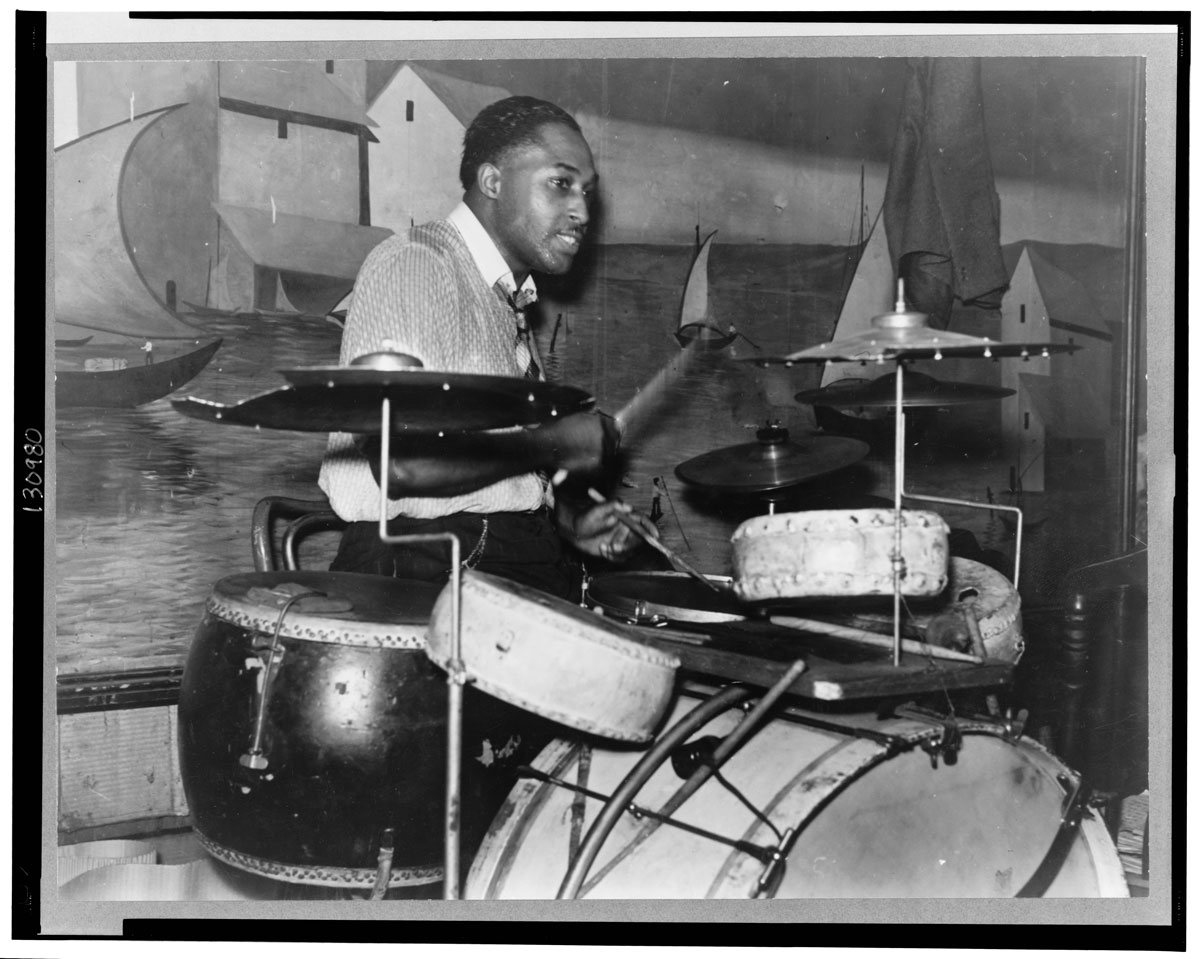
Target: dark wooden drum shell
[[352, 736]]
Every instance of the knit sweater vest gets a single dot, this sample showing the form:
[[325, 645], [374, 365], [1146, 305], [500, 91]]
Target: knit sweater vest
[[421, 293]]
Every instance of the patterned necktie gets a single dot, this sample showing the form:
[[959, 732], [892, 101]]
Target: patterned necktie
[[517, 303]]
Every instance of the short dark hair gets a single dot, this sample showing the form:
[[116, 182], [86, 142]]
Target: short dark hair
[[508, 123]]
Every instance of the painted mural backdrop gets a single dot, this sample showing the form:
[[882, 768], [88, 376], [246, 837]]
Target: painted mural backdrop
[[246, 212]]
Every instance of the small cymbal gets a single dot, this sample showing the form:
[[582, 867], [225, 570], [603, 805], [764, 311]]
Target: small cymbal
[[906, 335], [771, 463], [348, 399], [918, 390]]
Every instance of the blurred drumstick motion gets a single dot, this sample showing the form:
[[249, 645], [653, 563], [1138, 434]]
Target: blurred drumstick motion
[[632, 417], [677, 561]]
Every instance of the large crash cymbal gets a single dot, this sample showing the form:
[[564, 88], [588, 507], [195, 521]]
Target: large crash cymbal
[[773, 462], [918, 390], [348, 399], [906, 335]]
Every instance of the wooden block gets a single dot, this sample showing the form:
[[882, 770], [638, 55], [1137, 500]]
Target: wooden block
[[118, 765]]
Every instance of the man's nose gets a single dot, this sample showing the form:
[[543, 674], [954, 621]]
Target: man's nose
[[577, 209]]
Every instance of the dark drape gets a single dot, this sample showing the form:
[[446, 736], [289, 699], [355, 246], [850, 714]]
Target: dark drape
[[941, 211]]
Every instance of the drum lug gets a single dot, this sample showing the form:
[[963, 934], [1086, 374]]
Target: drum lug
[[945, 744]]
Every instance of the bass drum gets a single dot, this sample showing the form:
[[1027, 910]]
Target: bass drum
[[312, 731], [863, 812]]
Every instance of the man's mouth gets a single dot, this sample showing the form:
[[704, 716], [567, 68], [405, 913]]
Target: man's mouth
[[571, 239]]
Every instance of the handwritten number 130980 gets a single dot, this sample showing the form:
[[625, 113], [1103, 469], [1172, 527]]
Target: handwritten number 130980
[[34, 456]]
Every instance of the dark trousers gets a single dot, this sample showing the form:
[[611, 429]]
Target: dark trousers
[[523, 547]]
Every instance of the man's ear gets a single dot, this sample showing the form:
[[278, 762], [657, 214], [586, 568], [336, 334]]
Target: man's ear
[[487, 177]]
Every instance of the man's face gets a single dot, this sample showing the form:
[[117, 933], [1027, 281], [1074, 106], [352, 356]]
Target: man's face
[[542, 199]]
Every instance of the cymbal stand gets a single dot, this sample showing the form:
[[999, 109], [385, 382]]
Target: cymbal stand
[[456, 670], [900, 494]]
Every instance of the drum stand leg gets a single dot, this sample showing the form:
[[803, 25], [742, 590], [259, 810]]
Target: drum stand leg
[[457, 674]]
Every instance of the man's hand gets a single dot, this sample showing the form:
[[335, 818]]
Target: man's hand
[[597, 531], [581, 444]]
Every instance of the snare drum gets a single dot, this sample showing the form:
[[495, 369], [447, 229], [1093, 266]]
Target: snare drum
[[555, 659], [652, 598], [830, 553], [307, 733], [862, 812]]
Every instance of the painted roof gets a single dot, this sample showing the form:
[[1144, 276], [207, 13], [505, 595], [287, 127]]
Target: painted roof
[[1082, 284], [301, 244], [462, 97], [298, 85]]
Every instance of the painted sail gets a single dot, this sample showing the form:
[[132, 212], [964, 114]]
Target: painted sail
[[871, 293], [695, 326], [97, 285]]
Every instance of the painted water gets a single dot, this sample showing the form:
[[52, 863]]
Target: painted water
[[153, 507]]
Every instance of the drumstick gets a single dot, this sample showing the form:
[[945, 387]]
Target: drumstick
[[630, 417], [873, 639], [679, 562]]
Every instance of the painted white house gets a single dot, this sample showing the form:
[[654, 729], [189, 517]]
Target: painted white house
[[1057, 396]]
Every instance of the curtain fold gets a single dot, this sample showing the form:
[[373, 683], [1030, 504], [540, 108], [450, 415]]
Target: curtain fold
[[941, 210]]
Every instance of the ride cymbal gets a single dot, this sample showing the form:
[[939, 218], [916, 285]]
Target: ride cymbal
[[348, 399], [918, 390], [906, 335], [773, 462]]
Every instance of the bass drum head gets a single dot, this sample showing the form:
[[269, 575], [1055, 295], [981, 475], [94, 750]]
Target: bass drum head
[[866, 824], [655, 597]]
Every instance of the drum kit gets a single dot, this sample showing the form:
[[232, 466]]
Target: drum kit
[[724, 735]]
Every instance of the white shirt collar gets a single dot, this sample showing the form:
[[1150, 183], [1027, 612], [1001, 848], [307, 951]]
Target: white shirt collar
[[488, 258]]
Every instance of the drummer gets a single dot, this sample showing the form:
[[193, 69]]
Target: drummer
[[452, 293]]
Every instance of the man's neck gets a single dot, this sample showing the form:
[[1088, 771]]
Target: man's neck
[[484, 211]]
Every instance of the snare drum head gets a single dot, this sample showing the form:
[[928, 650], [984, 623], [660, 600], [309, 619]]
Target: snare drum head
[[346, 608], [652, 596], [554, 658]]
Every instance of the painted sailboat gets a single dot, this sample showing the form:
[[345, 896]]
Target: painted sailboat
[[137, 350], [695, 326]]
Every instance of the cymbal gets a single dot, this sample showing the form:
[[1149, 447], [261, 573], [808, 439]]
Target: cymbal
[[919, 390], [771, 463], [906, 335], [347, 399]]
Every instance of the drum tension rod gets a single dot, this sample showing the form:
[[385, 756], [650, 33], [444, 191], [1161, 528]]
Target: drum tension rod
[[687, 758], [763, 854]]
